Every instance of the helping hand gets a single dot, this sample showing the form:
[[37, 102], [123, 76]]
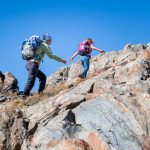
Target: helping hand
[[102, 51], [64, 61], [71, 59]]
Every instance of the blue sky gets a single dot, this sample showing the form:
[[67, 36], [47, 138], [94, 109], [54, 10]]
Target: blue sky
[[111, 23]]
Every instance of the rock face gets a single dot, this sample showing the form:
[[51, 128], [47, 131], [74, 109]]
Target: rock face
[[8, 83], [59, 77], [108, 111], [13, 128]]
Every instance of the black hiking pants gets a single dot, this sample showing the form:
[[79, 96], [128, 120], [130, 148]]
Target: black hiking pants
[[33, 72]]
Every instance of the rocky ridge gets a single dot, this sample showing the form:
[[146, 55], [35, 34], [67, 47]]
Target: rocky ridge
[[108, 111]]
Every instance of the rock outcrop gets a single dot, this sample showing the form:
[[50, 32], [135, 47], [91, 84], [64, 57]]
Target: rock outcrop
[[8, 83], [108, 111]]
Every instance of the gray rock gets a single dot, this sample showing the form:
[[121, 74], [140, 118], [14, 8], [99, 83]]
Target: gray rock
[[59, 77], [3, 98], [134, 48], [10, 83], [117, 126]]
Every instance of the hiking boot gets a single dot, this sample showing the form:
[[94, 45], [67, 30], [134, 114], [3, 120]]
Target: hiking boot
[[20, 93], [40, 92], [24, 97], [80, 76]]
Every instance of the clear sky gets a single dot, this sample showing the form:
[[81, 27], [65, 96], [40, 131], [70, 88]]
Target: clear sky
[[111, 23]]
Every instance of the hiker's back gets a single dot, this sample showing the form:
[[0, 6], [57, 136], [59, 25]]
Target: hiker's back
[[84, 48], [29, 46]]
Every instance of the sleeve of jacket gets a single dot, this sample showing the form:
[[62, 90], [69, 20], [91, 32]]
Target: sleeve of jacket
[[49, 53]]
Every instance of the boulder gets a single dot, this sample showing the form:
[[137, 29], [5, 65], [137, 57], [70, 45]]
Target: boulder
[[113, 121], [10, 83], [59, 77]]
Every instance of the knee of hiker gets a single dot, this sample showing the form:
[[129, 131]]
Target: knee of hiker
[[86, 67], [31, 81], [43, 78]]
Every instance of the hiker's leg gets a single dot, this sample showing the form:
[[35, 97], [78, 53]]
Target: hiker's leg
[[81, 75], [86, 66], [83, 67], [82, 62], [42, 80], [32, 68]]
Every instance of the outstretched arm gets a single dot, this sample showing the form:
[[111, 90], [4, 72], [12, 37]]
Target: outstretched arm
[[50, 55], [97, 49], [74, 55]]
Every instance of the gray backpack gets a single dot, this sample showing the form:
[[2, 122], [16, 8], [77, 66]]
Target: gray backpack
[[29, 46]]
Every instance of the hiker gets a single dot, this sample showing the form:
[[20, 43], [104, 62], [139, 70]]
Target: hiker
[[85, 50], [33, 64]]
